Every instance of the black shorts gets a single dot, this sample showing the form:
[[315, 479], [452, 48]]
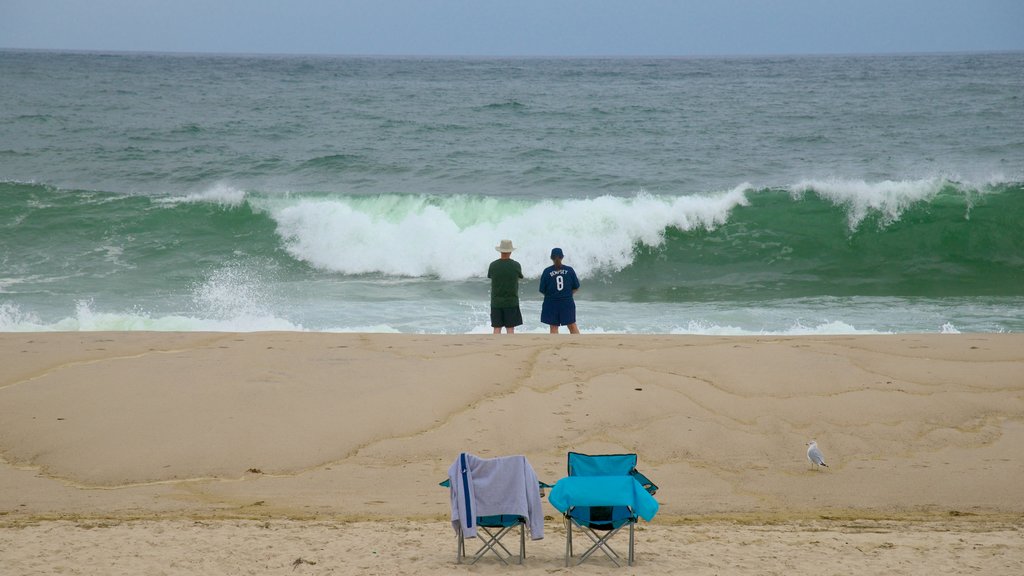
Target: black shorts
[[506, 317]]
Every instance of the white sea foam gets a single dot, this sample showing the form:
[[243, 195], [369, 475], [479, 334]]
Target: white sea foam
[[13, 319], [415, 236], [889, 199], [797, 329], [605, 318], [948, 328], [221, 194], [366, 329], [232, 292], [86, 319]]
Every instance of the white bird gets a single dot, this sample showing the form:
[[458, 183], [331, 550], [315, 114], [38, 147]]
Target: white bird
[[814, 455]]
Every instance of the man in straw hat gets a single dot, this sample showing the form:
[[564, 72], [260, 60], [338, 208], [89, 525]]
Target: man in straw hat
[[505, 274]]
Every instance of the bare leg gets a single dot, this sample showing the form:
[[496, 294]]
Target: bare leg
[[497, 330], [510, 329], [553, 329], [573, 329]]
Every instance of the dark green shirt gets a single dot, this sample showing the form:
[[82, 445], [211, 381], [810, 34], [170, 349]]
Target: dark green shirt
[[504, 275]]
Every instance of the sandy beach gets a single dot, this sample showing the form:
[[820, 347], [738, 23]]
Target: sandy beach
[[314, 453]]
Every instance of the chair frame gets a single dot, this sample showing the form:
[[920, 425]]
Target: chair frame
[[599, 542], [492, 540]]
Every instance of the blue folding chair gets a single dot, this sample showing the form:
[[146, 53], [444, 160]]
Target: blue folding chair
[[593, 482]]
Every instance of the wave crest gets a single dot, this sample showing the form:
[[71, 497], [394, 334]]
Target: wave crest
[[452, 237], [223, 195]]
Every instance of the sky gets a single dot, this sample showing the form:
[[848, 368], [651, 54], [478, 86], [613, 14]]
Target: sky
[[516, 27]]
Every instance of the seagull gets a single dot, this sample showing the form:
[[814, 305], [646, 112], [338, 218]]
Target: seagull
[[814, 455]]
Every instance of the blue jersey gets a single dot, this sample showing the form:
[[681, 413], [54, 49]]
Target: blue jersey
[[558, 284]]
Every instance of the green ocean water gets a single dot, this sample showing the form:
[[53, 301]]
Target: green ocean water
[[780, 195]]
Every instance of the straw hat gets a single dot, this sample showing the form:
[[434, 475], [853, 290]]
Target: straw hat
[[505, 246]]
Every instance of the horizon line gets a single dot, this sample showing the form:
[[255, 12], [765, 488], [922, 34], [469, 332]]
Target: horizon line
[[455, 56]]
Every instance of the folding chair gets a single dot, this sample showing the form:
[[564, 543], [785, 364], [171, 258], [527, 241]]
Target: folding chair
[[490, 498], [603, 494]]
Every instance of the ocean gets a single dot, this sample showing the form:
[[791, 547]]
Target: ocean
[[769, 195]]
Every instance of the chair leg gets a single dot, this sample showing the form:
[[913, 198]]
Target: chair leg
[[568, 540], [631, 524], [460, 547], [522, 541]]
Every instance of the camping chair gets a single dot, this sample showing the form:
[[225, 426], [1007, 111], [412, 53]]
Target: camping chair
[[490, 497], [602, 495]]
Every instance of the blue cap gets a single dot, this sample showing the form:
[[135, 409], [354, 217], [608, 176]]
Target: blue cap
[[556, 253]]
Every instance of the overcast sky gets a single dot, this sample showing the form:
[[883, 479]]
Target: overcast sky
[[515, 27]]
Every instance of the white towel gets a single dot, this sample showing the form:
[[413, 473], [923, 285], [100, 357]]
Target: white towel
[[493, 486]]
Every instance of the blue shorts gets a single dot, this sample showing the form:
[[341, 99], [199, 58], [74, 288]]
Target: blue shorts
[[561, 312]]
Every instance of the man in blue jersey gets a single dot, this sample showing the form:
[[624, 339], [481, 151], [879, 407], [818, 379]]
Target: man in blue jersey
[[558, 283]]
